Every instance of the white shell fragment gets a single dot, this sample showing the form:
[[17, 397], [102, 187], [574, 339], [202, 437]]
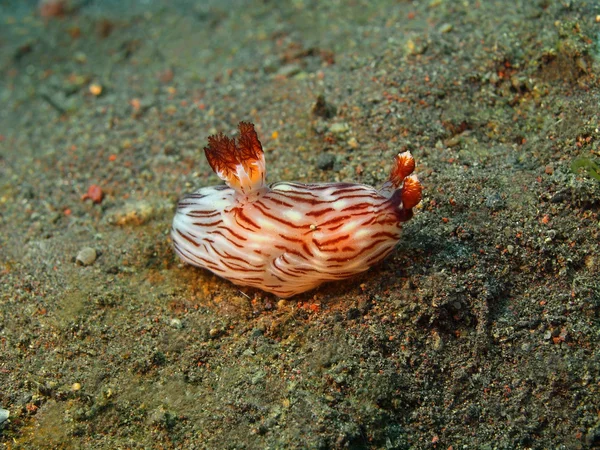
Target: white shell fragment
[[86, 256], [4, 413]]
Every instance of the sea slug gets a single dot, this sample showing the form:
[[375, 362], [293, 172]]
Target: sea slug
[[286, 238]]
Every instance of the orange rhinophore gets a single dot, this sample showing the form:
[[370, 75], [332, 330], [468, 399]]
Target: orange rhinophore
[[241, 163], [287, 238], [404, 165]]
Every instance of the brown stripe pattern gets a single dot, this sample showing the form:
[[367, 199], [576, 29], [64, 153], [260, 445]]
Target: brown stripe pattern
[[287, 238]]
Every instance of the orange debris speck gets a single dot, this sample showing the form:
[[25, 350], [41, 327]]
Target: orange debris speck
[[30, 407], [274, 135], [135, 104], [112, 157], [75, 32], [52, 8], [166, 76], [94, 193], [314, 307], [95, 89]]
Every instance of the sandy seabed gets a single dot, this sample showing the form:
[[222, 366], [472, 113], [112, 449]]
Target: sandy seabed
[[480, 331]]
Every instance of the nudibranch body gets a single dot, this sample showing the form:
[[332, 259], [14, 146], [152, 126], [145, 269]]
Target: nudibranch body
[[286, 238]]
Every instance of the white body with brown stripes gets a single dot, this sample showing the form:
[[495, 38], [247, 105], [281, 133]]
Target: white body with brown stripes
[[287, 238]]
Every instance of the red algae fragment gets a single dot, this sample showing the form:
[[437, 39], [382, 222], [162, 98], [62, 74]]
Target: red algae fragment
[[94, 193], [52, 8]]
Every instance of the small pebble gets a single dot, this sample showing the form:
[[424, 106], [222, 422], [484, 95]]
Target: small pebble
[[416, 47], [438, 343], [323, 109], [581, 64], [445, 28], [176, 323], [325, 161], [80, 57], [135, 213], [289, 70], [339, 128], [4, 413], [494, 201], [95, 89], [86, 256]]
